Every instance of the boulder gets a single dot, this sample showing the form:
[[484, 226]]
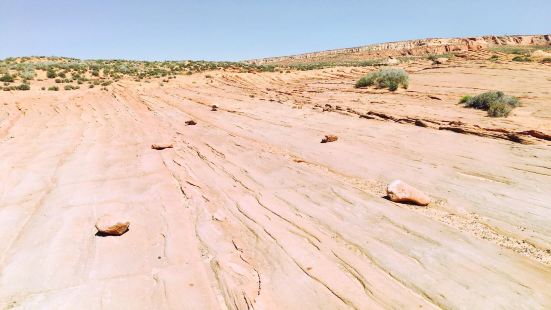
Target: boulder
[[329, 138], [399, 191], [161, 146], [110, 226]]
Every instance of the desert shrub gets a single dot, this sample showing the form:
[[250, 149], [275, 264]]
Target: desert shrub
[[499, 109], [51, 73], [106, 83], [522, 59], [7, 78], [71, 87], [27, 73], [494, 58], [495, 102], [24, 87], [390, 78], [53, 88], [43, 88], [546, 60], [465, 98], [91, 86]]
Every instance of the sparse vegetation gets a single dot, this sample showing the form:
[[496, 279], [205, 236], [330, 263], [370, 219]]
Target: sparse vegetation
[[464, 99], [24, 87], [50, 73], [70, 87], [390, 78], [53, 88], [493, 58], [522, 59], [546, 60], [7, 78], [495, 102], [499, 109]]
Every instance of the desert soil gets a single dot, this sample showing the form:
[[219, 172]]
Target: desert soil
[[250, 210]]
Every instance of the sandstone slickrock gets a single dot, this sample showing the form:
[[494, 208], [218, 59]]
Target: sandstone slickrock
[[111, 226], [329, 138], [263, 219], [399, 191], [161, 146]]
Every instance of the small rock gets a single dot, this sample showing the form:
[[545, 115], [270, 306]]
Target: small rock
[[329, 138], [441, 60], [161, 146], [214, 107], [109, 226], [399, 191], [191, 122]]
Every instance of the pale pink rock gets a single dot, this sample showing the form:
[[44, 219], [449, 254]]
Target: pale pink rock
[[398, 191]]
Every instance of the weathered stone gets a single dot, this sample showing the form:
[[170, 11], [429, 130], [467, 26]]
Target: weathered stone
[[161, 146], [110, 226], [398, 191], [329, 138], [191, 122]]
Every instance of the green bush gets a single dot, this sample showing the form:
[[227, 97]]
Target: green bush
[[390, 78], [71, 87], [494, 58], [7, 78], [24, 87], [27, 74], [464, 99], [53, 88], [499, 109], [51, 73], [522, 59], [495, 102]]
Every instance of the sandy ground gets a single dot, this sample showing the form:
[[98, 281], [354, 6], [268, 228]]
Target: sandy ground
[[249, 210]]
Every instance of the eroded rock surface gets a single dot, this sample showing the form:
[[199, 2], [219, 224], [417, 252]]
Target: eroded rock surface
[[249, 210]]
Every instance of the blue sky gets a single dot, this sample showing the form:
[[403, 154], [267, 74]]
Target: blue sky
[[244, 29]]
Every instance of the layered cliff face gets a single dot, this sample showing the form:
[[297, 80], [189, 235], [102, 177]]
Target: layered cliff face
[[418, 47]]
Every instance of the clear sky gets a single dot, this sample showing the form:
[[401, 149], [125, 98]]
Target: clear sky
[[244, 29]]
